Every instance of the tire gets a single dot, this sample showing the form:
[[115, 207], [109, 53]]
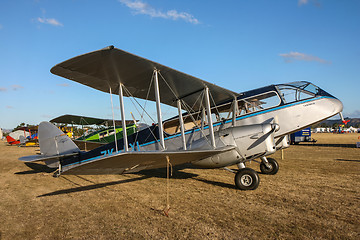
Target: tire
[[272, 170], [247, 179]]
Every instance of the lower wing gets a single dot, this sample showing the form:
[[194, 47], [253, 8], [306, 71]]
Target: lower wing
[[119, 163]]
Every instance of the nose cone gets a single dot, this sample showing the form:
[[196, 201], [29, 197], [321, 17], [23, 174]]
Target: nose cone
[[337, 104]]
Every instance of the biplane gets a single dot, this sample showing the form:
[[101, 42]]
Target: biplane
[[23, 136], [215, 127], [103, 132]]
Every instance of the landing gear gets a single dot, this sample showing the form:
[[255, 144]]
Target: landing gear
[[247, 179], [269, 166]]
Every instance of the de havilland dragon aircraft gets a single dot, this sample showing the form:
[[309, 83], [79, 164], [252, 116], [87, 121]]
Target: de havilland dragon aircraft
[[215, 128]]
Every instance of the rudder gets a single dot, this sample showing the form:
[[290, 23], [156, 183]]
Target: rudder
[[53, 141]]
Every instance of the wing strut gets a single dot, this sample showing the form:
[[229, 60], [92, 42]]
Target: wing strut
[[158, 109], [121, 98], [181, 124], [235, 111], [210, 122], [112, 108]]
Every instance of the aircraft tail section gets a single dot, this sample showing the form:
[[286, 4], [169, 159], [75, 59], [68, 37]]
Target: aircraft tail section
[[53, 141], [54, 145], [22, 139], [11, 140]]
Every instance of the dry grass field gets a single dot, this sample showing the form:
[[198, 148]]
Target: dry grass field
[[315, 195]]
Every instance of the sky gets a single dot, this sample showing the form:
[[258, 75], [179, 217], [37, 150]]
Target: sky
[[236, 44]]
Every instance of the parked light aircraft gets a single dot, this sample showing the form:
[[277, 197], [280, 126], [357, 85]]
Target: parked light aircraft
[[23, 136], [103, 135], [216, 127]]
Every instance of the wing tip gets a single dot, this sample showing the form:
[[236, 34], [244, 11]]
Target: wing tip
[[111, 47]]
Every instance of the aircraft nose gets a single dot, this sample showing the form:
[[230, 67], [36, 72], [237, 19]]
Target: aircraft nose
[[337, 104]]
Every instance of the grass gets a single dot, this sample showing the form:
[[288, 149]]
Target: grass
[[316, 194]]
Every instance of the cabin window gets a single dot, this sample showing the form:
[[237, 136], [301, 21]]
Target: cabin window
[[221, 113], [173, 126], [258, 103]]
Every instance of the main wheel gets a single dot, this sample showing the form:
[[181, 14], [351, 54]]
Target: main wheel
[[247, 179], [272, 169]]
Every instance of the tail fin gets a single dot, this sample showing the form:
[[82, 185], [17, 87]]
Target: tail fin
[[53, 141], [22, 139], [11, 140], [54, 145]]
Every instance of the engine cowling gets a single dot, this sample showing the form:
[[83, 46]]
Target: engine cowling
[[250, 141]]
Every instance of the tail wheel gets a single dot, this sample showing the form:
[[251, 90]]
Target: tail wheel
[[247, 179], [271, 168]]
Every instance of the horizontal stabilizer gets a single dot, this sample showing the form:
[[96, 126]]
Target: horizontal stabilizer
[[122, 162], [41, 158], [50, 161]]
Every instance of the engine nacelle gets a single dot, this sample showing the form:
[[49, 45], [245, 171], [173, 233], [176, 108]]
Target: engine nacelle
[[250, 141], [282, 142]]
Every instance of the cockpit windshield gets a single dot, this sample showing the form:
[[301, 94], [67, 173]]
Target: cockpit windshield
[[297, 91]]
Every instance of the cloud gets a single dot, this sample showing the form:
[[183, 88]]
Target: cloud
[[1, 26], [51, 21], [63, 85], [304, 2], [2, 89], [140, 7], [16, 87], [296, 56]]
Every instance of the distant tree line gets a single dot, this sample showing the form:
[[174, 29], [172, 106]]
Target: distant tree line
[[354, 122]]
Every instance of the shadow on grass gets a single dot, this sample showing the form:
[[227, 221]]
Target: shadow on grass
[[161, 173], [145, 174], [347, 160], [328, 145], [215, 183], [37, 168], [91, 187], [157, 173]]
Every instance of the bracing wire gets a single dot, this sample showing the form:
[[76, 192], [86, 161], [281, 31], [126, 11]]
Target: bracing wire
[[142, 107], [141, 114], [191, 115], [186, 107]]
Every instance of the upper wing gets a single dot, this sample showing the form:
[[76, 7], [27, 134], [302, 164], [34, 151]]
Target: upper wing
[[82, 120], [135, 161], [107, 68]]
